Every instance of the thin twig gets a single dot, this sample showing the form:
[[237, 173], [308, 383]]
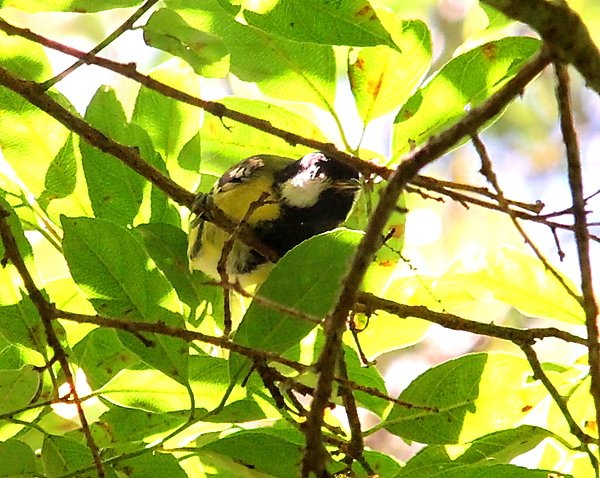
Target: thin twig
[[539, 374], [488, 171], [454, 322], [126, 25]]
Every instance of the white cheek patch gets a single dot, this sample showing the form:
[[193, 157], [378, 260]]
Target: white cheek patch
[[303, 190]]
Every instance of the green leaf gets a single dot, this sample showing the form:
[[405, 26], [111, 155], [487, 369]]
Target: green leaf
[[21, 324], [151, 464], [382, 78], [475, 394], [79, 6], [131, 425], [60, 455], [17, 460], [30, 138], [120, 280], [519, 279], [102, 355], [284, 68], [464, 82], [10, 292], [226, 143], [311, 21], [167, 245], [17, 388], [204, 52], [306, 279], [256, 449], [172, 125], [116, 191], [503, 445], [147, 389], [434, 462]]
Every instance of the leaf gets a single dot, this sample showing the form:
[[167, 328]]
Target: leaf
[[226, 143], [17, 460], [382, 78], [79, 6], [204, 52], [17, 388], [131, 425], [102, 355], [464, 82], [504, 445], [284, 68], [116, 191], [61, 455], [120, 280], [30, 138], [306, 279], [172, 125], [21, 324], [147, 389], [256, 449], [151, 464], [311, 21], [433, 462], [167, 245], [475, 394], [519, 279]]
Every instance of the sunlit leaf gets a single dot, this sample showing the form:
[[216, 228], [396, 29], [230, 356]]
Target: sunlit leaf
[[462, 83], [519, 279], [284, 68], [172, 125], [205, 53], [475, 394], [310, 21], [382, 78], [79, 6], [30, 138]]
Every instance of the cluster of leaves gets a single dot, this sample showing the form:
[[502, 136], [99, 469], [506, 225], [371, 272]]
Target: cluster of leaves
[[100, 239]]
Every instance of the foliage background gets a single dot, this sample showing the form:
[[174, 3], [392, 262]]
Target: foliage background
[[453, 265]]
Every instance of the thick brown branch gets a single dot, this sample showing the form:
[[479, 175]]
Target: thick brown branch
[[315, 455]]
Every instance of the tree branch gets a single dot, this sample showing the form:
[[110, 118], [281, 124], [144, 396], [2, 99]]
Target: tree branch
[[46, 312], [315, 455], [582, 240]]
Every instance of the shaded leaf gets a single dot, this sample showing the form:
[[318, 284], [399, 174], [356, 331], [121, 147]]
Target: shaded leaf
[[307, 279]]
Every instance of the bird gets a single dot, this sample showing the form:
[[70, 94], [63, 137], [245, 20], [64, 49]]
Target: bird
[[282, 200]]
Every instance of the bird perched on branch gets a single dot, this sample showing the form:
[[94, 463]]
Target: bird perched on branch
[[283, 202]]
